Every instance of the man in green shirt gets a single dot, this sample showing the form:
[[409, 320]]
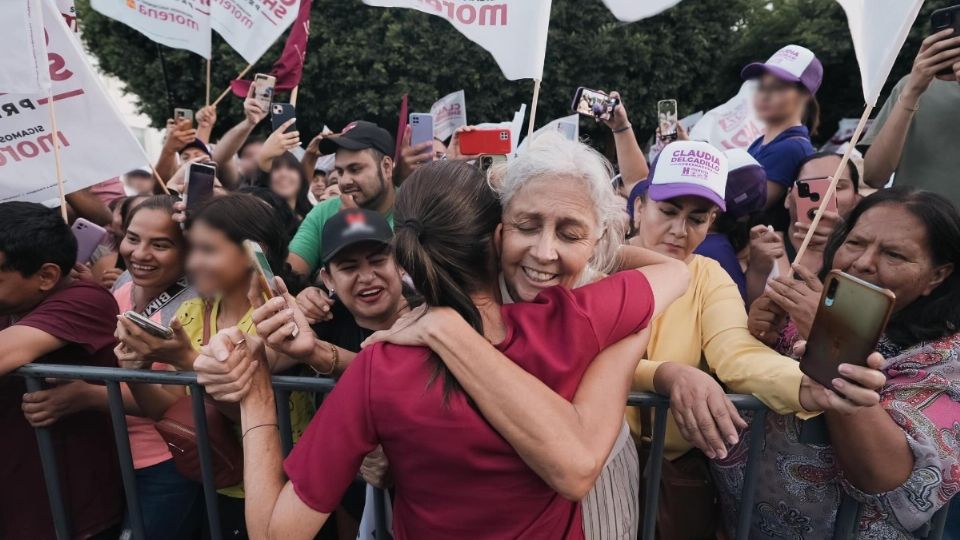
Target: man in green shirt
[[365, 165]]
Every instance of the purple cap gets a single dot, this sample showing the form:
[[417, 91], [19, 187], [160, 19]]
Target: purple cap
[[746, 184], [690, 168], [792, 63]]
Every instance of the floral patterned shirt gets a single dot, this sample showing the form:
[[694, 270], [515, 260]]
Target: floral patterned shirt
[[803, 484]]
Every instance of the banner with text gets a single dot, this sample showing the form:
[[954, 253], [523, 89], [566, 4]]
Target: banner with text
[[733, 124], [634, 10], [181, 24], [252, 26], [23, 65], [449, 113], [513, 31], [95, 142], [69, 12]]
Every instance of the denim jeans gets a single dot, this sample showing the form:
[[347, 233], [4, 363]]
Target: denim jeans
[[171, 505]]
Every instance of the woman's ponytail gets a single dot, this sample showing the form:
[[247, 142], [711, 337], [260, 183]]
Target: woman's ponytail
[[811, 115]]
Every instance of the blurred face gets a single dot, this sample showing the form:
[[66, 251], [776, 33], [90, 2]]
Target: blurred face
[[285, 182], [361, 176], [333, 190], [888, 248], [141, 184], [191, 153], [216, 265], [674, 227], [778, 101], [547, 236], [366, 279], [439, 149], [248, 159], [153, 249], [318, 184]]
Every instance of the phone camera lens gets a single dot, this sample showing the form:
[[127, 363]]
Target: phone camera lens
[[814, 196]]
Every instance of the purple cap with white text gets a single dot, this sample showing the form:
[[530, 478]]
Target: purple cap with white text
[[690, 168], [792, 63]]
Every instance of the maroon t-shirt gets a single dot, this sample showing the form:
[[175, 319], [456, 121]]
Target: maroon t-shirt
[[455, 476], [84, 315]]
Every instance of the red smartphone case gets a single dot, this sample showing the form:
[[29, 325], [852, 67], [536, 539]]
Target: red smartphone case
[[492, 142]]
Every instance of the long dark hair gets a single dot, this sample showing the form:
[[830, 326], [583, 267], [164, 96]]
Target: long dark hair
[[811, 115], [928, 317], [851, 167], [287, 160], [245, 217], [445, 218]]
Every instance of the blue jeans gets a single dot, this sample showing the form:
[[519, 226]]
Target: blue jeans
[[952, 531], [171, 505]]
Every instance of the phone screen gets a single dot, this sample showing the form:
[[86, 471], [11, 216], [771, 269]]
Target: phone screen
[[263, 89], [667, 119], [199, 184], [594, 103], [183, 114]]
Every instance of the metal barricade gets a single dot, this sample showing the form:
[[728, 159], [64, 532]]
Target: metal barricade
[[283, 386]]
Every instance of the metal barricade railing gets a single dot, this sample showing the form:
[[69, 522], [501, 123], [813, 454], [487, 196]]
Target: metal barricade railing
[[283, 386]]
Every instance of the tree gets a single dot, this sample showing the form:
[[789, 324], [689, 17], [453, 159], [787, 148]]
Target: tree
[[362, 59]]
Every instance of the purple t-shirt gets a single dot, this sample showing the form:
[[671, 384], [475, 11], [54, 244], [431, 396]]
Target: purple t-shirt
[[717, 247]]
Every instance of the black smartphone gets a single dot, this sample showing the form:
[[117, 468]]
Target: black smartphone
[[941, 19], [280, 113], [199, 184]]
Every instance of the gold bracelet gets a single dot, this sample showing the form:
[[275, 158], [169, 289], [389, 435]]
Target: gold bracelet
[[900, 101], [333, 366]]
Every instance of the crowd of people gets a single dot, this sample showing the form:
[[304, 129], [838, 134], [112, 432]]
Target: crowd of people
[[485, 326]]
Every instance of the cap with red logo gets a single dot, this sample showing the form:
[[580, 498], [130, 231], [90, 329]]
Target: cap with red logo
[[350, 227], [359, 135]]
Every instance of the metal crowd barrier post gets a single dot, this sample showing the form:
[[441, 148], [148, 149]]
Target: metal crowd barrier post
[[206, 460], [655, 469], [757, 432], [282, 397], [51, 472], [127, 473]]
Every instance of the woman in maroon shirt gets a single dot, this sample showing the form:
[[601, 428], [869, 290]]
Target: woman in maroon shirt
[[455, 476]]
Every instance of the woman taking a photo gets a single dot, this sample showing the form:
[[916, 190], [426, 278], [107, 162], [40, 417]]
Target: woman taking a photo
[[446, 217], [785, 101], [288, 181], [898, 457]]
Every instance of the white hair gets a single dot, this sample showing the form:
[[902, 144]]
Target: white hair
[[553, 156]]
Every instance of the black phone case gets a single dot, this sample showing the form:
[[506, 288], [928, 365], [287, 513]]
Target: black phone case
[[280, 113]]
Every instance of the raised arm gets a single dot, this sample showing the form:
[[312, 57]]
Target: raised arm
[[938, 52], [228, 145], [633, 164]]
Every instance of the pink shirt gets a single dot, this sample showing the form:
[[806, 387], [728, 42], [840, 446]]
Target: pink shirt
[[456, 477]]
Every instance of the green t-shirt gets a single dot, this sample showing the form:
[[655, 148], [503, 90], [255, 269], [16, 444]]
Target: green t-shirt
[[307, 243], [930, 159]]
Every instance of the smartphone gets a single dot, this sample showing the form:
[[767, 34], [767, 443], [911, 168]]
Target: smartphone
[[667, 119], [89, 235], [941, 19], [594, 103], [421, 126], [199, 184], [280, 113], [183, 114], [495, 142], [851, 316], [263, 89], [809, 193], [153, 328]]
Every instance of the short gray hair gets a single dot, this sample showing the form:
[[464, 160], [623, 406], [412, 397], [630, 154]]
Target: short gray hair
[[551, 156]]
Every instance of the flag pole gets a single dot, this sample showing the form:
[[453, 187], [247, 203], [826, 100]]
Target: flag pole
[[56, 159], [156, 176], [533, 106], [208, 82], [832, 190], [227, 91], [293, 95]]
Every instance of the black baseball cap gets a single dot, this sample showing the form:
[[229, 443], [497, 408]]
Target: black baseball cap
[[359, 135], [197, 143], [350, 227]]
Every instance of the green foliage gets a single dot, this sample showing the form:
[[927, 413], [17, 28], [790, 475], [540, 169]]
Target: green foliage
[[362, 59]]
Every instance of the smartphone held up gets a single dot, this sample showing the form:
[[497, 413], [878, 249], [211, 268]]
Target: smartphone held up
[[199, 182], [594, 103], [667, 120], [263, 86]]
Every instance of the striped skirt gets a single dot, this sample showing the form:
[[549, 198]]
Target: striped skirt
[[611, 511]]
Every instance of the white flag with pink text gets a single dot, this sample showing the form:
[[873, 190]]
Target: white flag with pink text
[[23, 64], [634, 10], [513, 31]]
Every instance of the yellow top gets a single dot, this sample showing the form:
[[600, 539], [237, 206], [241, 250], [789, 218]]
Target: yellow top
[[707, 328], [191, 317]]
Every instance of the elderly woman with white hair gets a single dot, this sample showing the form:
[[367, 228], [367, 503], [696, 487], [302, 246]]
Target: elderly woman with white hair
[[562, 225]]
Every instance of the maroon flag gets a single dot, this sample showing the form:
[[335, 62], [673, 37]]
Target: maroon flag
[[401, 126], [289, 68]]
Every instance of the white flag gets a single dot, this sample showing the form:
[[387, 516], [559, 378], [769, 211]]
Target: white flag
[[449, 113], [733, 124], [252, 26], [568, 127], [878, 35], [513, 31], [69, 12], [94, 141], [634, 10], [23, 64], [181, 24]]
